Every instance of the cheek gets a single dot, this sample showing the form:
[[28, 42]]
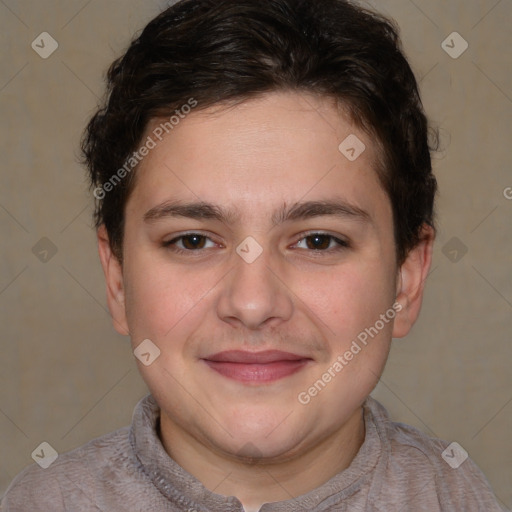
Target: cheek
[[161, 298], [349, 300], [348, 307]]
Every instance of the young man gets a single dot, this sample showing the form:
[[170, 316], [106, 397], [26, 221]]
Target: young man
[[265, 225]]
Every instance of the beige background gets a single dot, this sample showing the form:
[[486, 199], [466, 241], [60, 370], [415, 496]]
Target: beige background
[[66, 376]]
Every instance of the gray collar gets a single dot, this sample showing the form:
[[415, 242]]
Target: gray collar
[[188, 493]]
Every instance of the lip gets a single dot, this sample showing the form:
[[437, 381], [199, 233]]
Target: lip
[[256, 367]]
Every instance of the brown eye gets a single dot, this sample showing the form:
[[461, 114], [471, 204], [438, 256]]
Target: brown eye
[[321, 242], [318, 242], [192, 242]]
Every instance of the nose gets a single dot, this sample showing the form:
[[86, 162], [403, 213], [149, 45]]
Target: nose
[[254, 295]]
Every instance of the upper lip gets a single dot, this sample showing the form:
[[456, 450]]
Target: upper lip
[[263, 357]]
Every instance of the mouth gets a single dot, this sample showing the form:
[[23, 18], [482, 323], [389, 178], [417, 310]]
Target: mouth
[[256, 367]]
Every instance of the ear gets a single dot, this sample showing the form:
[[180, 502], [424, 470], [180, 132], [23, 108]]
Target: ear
[[113, 271], [411, 282]]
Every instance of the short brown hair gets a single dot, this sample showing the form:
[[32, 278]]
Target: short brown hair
[[231, 50]]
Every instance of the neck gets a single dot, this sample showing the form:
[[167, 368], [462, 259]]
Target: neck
[[264, 480]]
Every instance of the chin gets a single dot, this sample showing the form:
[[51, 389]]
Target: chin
[[272, 438], [261, 450]]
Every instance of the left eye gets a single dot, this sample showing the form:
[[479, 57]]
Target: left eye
[[190, 242], [320, 242]]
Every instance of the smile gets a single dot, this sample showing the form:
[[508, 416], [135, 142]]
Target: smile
[[256, 367]]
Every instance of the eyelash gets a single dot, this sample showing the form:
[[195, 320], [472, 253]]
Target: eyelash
[[342, 244]]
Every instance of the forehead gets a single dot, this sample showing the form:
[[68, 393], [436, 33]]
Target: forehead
[[275, 148]]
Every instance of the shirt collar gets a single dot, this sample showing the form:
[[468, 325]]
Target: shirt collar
[[186, 491]]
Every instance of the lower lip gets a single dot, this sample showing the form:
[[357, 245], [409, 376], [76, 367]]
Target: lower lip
[[257, 373]]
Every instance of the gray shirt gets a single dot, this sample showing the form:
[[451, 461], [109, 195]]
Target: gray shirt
[[397, 469]]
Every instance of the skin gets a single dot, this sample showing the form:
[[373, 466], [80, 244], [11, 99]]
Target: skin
[[301, 295]]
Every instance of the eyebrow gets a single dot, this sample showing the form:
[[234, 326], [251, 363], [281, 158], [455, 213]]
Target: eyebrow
[[299, 211]]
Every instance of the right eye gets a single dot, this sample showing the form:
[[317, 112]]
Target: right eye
[[190, 242]]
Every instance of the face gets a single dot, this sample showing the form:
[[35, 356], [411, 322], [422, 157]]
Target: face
[[255, 254]]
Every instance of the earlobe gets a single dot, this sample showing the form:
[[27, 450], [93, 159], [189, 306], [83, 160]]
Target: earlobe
[[113, 272], [411, 282]]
